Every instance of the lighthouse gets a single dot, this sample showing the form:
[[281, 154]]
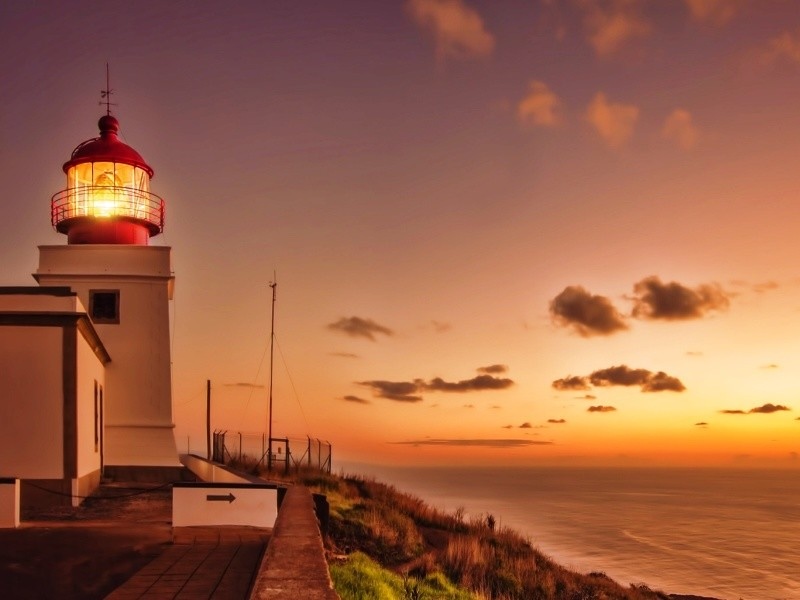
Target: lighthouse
[[109, 215]]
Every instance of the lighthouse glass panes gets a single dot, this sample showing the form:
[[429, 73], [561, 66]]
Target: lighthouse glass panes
[[107, 189]]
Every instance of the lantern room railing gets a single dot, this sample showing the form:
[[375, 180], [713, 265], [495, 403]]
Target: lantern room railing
[[107, 202]]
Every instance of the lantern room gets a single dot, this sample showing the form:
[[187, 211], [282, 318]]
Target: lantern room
[[108, 198]]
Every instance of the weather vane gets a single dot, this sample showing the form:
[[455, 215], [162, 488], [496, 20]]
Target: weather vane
[[105, 94]]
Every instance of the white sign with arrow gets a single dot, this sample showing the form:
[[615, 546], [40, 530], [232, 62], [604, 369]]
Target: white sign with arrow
[[208, 504]]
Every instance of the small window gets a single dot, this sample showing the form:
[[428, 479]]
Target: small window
[[104, 306]]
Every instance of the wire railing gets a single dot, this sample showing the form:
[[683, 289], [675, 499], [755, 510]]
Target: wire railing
[[99, 201]]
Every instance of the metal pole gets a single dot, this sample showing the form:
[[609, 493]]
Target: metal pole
[[273, 284], [208, 418]]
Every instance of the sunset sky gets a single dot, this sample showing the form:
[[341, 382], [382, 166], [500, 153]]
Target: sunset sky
[[517, 231]]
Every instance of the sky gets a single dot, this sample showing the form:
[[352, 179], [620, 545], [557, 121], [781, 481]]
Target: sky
[[517, 232]]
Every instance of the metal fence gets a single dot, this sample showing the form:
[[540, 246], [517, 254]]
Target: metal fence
[[252, 450]]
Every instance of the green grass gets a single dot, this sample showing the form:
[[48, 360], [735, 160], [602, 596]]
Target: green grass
[[359, 577]]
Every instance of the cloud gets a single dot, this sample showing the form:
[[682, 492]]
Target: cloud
[[440, 327], [479, 383], [493, 369], [612, 25], [601, 409], [586, 397], [345, 354], [783, 47], [586, 313], [469, 406], [764, 409], [358, 327], [541, 107], [557, 421], [457, 30], [356, 400], [571, 382], [408, 391], [399, 391], [476, 443], [508, 427], [693, 353], [714, 12], [622, 375], [679, 128], [526, 425], [253, 386], [770, 366], [673, 301], [701, 424], [614, 122]]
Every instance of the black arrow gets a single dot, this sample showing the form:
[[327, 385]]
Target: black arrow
[[219, 498]]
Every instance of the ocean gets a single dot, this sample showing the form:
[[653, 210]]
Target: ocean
[[726, 533]]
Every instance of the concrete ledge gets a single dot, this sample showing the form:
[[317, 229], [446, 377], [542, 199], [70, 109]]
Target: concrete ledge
[[9, 503], [294, 564]]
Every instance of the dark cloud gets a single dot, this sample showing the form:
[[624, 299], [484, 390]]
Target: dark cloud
[[768, 408], [358, 327], [587, 314], [356, 400], [345, 354], [399, 391], [586, 397], [508, 427], [672, 301], [526, 425], [601, 409], [476, 443], [556, 421], [496, 407], [408, 391], [493, 369], [479, 383], [252, 386], [647, 380], [571, 382], [701, 424], [764, 409]]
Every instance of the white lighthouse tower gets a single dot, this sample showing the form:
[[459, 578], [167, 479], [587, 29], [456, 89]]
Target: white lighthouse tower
[[109, 214]]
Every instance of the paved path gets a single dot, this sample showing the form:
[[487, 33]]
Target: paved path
[[208, 566]]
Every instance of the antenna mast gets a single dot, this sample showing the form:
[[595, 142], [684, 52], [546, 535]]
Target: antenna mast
[[273, 284]]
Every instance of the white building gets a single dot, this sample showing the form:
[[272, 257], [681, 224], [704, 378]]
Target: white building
[[85, 372]]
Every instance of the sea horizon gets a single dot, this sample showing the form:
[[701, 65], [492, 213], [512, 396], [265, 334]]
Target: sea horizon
[[723, 532]]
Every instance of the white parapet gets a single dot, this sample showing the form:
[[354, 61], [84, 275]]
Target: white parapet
[[210, 504], [9, 503]]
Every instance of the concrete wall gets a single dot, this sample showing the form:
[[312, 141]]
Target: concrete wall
[[31, 402], [90, 393], [209, 504]]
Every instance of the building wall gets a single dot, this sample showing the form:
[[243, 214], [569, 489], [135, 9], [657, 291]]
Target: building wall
[[138, 390], [31, 407], [90, 386]]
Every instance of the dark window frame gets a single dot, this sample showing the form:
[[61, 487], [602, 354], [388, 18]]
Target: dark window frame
[[104, 306]]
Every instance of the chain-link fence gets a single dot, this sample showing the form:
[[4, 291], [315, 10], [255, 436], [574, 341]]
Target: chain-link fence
[[253, 451]]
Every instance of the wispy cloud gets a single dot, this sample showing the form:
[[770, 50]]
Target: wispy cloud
[[586, 397], [764, 409], [612, 25], [680, 129], [476, 443], [613, 121], [714, 12], [600, 409], [493, 369], [540, 107], [587, 314], [622, 375], [701, 424], [440, 326], [399, 391], [355, 400], [345, 355], [770, 366], [654, 299], [252, 386], [457, 30], [358, 327], [557, 421], [784, 47]]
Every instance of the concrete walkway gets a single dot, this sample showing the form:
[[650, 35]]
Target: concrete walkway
[[200, 565]]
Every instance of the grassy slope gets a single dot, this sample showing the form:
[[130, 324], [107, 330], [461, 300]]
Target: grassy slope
[[409, 538]]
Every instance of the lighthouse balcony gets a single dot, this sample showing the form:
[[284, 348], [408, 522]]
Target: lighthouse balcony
[[99, 203]]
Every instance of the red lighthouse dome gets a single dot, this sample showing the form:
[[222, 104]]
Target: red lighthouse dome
[[108, 198]]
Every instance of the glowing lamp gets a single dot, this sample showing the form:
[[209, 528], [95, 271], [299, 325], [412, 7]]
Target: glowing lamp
[[108, 198]]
